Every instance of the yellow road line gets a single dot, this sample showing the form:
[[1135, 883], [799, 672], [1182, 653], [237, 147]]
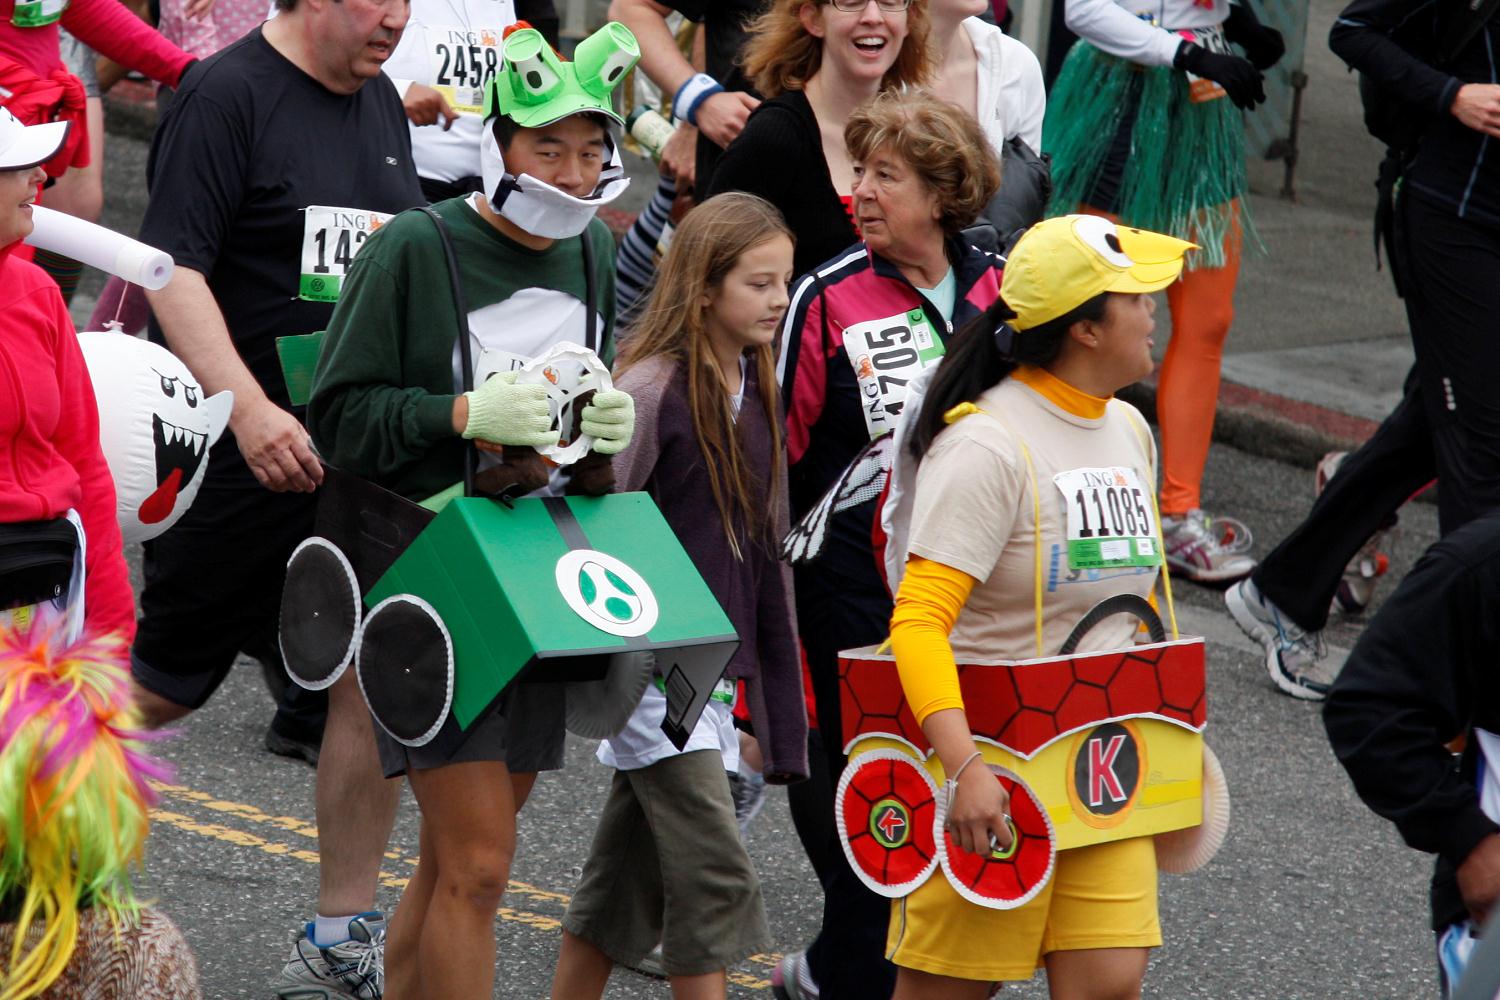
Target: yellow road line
[[300, 827]]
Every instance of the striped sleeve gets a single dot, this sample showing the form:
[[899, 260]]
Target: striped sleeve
[[801, 368], [635, 264]]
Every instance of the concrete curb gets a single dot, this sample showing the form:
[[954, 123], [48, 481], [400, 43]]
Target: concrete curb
[[1269, 425]]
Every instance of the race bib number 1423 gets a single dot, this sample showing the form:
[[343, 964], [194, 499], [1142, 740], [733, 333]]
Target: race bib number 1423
[[1109, 518], [330, 239]]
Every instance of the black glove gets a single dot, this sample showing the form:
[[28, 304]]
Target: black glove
[[1263, 45], [1240, 80]]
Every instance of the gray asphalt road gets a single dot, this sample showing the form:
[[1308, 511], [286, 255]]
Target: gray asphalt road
[[1312, 897]]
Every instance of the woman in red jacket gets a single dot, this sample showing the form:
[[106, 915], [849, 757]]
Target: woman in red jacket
[[61, 557]]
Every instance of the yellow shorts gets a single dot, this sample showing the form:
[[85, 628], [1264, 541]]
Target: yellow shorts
[[1102, 896]]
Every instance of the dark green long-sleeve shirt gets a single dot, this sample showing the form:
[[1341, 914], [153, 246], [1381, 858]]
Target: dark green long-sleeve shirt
[[387, 376]]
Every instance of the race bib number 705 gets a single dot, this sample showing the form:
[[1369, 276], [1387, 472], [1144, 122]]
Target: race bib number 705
[[1109, 518], [330, 239], [886, 355]]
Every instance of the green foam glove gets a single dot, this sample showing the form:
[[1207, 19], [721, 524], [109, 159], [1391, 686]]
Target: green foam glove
[[502, 412], [610, 420]]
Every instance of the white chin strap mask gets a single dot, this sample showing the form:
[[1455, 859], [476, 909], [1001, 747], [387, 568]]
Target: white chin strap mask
[[538, 207]]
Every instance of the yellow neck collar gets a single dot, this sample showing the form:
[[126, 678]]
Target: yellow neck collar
[[1049, 386]]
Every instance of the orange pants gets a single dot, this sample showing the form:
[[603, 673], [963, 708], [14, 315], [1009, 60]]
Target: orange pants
[[1187, 386]]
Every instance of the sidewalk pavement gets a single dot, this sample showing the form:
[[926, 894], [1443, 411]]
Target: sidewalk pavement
[[1319, 349]]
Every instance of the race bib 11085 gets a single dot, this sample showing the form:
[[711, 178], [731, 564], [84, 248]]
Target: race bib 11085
[[330, 239], [886, 354], [1108, 513], [461, 61]]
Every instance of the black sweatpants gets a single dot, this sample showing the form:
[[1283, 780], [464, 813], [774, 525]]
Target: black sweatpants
[[836, 612], [1302, 574]]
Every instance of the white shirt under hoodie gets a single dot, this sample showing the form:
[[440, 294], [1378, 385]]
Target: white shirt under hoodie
[[1012, 99], [440, 155], [1143, 31]]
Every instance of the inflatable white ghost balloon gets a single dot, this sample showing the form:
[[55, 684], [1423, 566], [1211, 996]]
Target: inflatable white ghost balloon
[[155, 427]]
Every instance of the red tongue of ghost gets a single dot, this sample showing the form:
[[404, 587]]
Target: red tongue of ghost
[[160, 503]]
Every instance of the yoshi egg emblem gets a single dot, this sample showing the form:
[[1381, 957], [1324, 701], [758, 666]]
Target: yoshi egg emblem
[[606, 593]]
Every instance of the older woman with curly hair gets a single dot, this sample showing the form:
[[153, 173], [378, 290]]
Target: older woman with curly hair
[[860, 327], [815, 63]]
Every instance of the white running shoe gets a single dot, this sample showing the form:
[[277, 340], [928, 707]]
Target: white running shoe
[[353, 968], [1370, 563], [1205, 549], [1292, 655]]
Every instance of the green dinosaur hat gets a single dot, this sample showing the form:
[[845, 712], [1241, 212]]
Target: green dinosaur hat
[[536, 86]]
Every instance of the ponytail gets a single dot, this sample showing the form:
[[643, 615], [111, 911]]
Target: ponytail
[[974, 361]]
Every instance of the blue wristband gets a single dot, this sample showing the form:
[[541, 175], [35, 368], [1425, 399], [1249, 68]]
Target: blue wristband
[[695, 90]]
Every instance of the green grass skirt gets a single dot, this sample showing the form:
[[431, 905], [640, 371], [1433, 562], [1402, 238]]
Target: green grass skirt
[[1187, 161]]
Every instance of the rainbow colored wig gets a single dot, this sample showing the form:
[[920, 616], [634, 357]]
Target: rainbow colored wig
[[73, 797]]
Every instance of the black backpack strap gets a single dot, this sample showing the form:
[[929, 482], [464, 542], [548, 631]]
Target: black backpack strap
[[593, 337], [465, 350]]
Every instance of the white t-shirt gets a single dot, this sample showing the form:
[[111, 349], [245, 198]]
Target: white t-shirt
[[642, 743], [453, 45]]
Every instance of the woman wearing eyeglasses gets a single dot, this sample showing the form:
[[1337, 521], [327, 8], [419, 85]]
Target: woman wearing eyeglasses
[[815, 63]]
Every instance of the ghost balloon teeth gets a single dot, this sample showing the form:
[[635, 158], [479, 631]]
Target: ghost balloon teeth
[[156, 427]]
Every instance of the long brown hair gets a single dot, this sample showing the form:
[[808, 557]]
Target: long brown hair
[[782, 56], [673, 325]]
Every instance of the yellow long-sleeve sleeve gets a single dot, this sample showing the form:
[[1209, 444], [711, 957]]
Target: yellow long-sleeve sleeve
[[927, 605]]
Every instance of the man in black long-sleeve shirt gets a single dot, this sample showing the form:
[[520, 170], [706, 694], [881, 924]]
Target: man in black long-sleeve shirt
[[1423, 675]]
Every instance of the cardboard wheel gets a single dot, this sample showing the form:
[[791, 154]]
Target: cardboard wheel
[[597, 710], [405, 668], [1179, 852], [320, 612], [884, 808], [1008, 878]]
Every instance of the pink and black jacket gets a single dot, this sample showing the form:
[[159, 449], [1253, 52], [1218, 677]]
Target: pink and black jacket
[[826, 424]]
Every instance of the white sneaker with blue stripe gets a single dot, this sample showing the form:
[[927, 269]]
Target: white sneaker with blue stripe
[[1292, 654]]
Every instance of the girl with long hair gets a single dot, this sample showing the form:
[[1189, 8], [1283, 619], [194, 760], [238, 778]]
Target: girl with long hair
[[667, 863]]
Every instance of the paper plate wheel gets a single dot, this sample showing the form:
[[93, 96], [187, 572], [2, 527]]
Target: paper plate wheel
[[319, 614], [597, 710], [1008, 878], [884, 809], [405, 668], [1179, 852]]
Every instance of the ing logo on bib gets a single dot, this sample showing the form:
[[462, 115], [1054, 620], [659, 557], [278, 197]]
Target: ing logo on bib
[[606, 593]]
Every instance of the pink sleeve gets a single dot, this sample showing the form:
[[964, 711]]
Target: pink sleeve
[[107, 27], [804, 383], [109, 605]]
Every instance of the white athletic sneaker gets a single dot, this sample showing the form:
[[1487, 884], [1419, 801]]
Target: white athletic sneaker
[[1205, 549], [353, 968], [1292, 655], [1370, 563]]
